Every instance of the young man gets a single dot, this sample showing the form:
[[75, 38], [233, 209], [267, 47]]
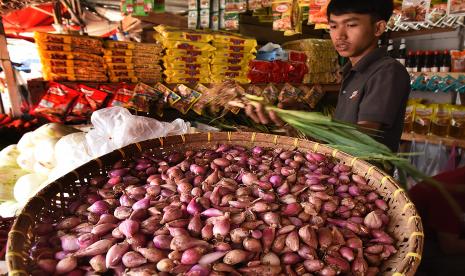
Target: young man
[[375, 87]]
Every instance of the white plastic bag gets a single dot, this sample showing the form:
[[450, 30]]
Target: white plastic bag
[[116, 127]]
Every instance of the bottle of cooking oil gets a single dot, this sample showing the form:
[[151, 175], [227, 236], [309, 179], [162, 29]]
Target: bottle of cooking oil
[[441, 120], [423, 117]]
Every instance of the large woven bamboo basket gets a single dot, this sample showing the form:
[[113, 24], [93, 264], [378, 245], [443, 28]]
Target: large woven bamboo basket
[[52, 201], [5, 225]]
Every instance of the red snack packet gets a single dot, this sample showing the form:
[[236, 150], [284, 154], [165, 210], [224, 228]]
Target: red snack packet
[[122, 96], [82, 107], [96, 98], [57, 100], [259, 71]]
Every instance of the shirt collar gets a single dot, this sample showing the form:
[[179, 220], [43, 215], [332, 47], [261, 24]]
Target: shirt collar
[[365, 62]]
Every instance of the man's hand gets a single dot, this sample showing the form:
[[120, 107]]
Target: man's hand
[[261, 116]]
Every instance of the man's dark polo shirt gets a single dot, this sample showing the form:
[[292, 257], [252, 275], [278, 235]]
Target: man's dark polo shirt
[[375, 90]]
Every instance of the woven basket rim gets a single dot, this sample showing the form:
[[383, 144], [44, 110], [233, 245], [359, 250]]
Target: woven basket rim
[[400, 203]]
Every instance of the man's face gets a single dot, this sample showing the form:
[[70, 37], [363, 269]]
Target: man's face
[[352, 34]]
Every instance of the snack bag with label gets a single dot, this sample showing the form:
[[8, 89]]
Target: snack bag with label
[[57, 100], [188, 98]]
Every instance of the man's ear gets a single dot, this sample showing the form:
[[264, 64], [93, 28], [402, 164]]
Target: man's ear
[[380, 28]]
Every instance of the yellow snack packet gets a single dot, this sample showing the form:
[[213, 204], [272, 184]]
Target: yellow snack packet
[[192, 46], [71, 63], [81, 41], [220, 69], [190, 53], [182, 34], [234, 48], [232, 61], [122, 73], [123, 79], [170, 96], [188, 80], [206, 98], [185, 59], [188, 98], [235, 40], [70, 55]]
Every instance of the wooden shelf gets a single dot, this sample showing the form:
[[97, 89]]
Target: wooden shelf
[[433, 139], [440, 74]]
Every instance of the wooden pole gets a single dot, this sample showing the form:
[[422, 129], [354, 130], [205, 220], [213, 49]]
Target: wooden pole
[[13, 105]]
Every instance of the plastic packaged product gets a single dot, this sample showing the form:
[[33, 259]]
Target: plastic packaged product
[[145, 60], [193, 20], [409, 117], [235, 6], [70, 56], [423, 118], [231, 61], [311, 95], [317, 12], [204, 17], [192, 5], [204, 4], [231, 21], [188, 80], [120, 66], [441, 120], [147, 66], [122, 96], [122, 73], [168, 60], [148, 47], [204, 100], [75, 70], [80, 41], [169, 95], [70, 63], [415, 10], [231, 55], [457, 127], [68, 48], [230, 68], [282, 15], [238, 78], [95, 97], [192, 46], [57, 100], [142, 98], [458, 61], [170, 33], [92, 77], [254, 90], [118, 59], [270, 94], [124, 45], [148, 70], [188, 98], [215, 21], [235, 40], [234, 48], [117, 52], [186, 52], [124, 79], [289, 92], [187, 72]]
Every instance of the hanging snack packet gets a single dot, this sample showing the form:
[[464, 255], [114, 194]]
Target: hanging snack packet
[[57, 100], [282, 15], [415, 10], [95, 97], [169, 95], [206, 98], [447, 84], [270, 93], [142, 98], [188, 98], [311, 96], [122, 96], [317, 12], [81, 109], [254, 90], [289, 92]]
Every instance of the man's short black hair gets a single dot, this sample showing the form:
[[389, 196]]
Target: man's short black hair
[[377, 9]]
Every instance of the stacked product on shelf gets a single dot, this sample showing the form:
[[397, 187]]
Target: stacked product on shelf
[[321, 59], [133, 62], [71, 58], [231, 58], [187, 56]]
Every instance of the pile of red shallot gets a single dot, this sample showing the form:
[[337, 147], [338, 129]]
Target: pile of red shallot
[[222, 211]]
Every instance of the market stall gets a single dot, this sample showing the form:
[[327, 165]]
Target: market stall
[[135, 153]]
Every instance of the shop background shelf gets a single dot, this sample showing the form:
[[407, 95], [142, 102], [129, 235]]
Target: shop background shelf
[[433, 139]]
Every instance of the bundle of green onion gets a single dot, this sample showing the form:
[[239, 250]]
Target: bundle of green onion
[[348, 138]]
